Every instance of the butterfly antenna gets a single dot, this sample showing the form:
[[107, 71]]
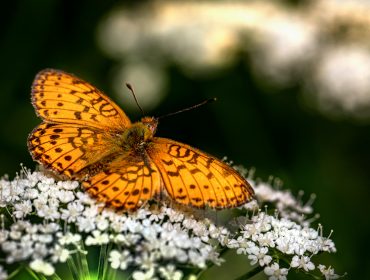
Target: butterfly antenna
[[189, 108], [130, 87]]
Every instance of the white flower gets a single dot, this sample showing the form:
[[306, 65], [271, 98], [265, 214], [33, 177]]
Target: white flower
[[275, 272], [39, 251], [125, 239], [285, 245], [31, 193], [85, 198], [174, 216], [3, 273], [133, 226], [50, 228], [68, 238], [60, 254], [251, 230], [343, 69], [45, 184], [9, 246], [48, 212], [117, 223], [267, 239], [15, 234], [65, 196], [85, 224], [44, 238], [101, 223], [3, 235], [68, 185], [170, 273], [327, 245], [147, 260], [284, 43], [40, 201], [259, 255], [98, 238], [242, 245], [120, 260], [91, 211], [302, 262], [197, 259], [43, 267], [328, 273], [156, 216], [74, 210], [22, 209], [139, 275]]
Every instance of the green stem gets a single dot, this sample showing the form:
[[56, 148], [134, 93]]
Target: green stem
[[102, 262], [84, 263], [250, 274], [35, 275], [72, 268], [107, 268], [55, 277], [111, 273], [15, 272]]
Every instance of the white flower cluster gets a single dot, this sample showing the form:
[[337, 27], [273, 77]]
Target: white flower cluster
[[147, 240], [44, 222], [266, 236], [285, 203], [285, 46]]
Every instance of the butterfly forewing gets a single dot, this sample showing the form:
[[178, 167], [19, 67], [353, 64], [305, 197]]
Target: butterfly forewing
[[63, 98]]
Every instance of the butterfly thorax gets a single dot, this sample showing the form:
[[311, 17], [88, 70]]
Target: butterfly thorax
[[137, 136]]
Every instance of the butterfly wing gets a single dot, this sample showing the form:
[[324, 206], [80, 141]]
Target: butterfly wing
[[126, 184], [60, 97], [68, 149], [192, 177]]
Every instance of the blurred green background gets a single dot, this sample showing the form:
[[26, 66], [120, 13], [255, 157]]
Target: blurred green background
[[282, 111]]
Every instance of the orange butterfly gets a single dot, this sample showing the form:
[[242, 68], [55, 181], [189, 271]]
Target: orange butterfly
[[86, 136]]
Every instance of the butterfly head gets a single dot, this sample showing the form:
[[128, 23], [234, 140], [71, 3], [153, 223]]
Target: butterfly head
[[151, 123]]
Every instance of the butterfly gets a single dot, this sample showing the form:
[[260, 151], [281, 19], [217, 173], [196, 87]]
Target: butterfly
[[85, 136]]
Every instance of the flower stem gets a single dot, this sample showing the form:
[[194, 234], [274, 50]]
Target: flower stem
[[72, 268], [55, 277], [103, 262], [102, 255], [111, 273], [34, 275], [84, 263], [15, 272], [250, 274]]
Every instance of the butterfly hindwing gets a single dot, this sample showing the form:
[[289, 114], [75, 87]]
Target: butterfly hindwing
[[60, 97], [126, 183], [194, 178]]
